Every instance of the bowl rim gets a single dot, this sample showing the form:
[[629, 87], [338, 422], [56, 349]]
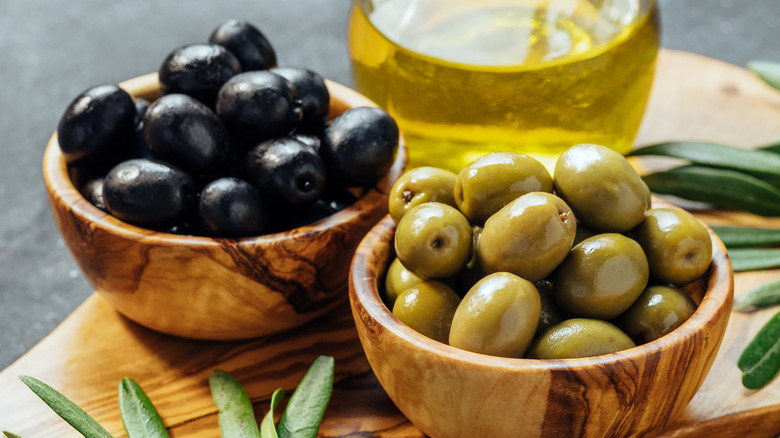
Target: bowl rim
[[364, 288], [61, 188]]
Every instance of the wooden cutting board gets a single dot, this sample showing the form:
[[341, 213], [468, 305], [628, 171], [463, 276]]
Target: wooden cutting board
[[694, 98]]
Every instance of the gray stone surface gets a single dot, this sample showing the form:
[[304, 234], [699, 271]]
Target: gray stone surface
[[51, 51]]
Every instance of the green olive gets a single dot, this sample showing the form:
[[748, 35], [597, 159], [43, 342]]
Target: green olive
[[433, 240], [428, 308], [488, 183], [529, 237], [601, 277], [420, 185], [580, 337], [678, 246], [550, 314], [601, 187], [658, 311], [398, 279], [498, 316], [583, 233]]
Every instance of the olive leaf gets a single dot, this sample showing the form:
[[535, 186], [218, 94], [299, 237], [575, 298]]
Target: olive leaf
[[72, 414], [754, 259], [760, 361], [767, 294], [768, 71], [763, 164], [741, 237], [10, 435], [236, 417], [267, 426], [139, 416], [304, 412], [721, 187]]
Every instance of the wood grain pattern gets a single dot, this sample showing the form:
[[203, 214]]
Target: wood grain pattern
[[208, 288], [448, 392], [693, 98]]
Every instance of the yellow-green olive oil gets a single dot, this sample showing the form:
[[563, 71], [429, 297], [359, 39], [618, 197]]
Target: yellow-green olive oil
[[466, 77]]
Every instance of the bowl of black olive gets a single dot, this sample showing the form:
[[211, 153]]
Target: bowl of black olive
[[222, 197]]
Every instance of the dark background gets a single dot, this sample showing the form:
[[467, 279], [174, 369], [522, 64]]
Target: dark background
[[50, 51]]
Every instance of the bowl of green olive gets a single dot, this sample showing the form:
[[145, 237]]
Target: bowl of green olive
[[503, 301], [221, 197]]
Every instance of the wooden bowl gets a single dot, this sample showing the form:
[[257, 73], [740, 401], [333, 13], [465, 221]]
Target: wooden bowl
[[448, 392], [209, 288]]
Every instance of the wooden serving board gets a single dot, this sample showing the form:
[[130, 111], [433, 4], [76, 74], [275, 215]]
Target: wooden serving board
[[694, 98]]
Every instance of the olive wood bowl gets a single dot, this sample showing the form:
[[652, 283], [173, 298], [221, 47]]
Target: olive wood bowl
[[448, 392], [212, 288]]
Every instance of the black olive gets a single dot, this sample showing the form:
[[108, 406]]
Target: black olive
[[198, 70], [230, 207], [186, 133], [149, 193], [314, 95], [337, 198], [93, 192], [310, 140], [250, 46], [288, 217], [286, 169], [96, 125], [259, 105], [359, 145], [141, 105]]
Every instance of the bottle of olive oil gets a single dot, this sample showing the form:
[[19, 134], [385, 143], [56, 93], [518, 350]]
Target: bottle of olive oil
[[467, 77]]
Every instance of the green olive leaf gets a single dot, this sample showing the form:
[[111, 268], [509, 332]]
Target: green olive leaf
[[727, 189], [139, 416], [767, 294], [760, 361], [10, 435], [742, 237], [267, 426], [754, 259], [762, 164], [773, 147], [768, 71], [66, 409], [236, 416], [304, 412]]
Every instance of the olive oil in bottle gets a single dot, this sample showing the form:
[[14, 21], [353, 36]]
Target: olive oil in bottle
[[467, 77]]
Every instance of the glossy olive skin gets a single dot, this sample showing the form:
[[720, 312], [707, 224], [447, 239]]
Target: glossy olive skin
[[96, 125], [601, 187], [428, 308], [528, 237], [658, 311], [93, 192], [198, 70], [359, 145], [433, 240], [579, 337], [151, 194], [488, 183], [286, 169], [498, 316], [678, 246], [314, 94], [601, 277], [549, 314], [247, 43], [230, 207], [397, 280], [259, 105], [183, 131], [420, 185]]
